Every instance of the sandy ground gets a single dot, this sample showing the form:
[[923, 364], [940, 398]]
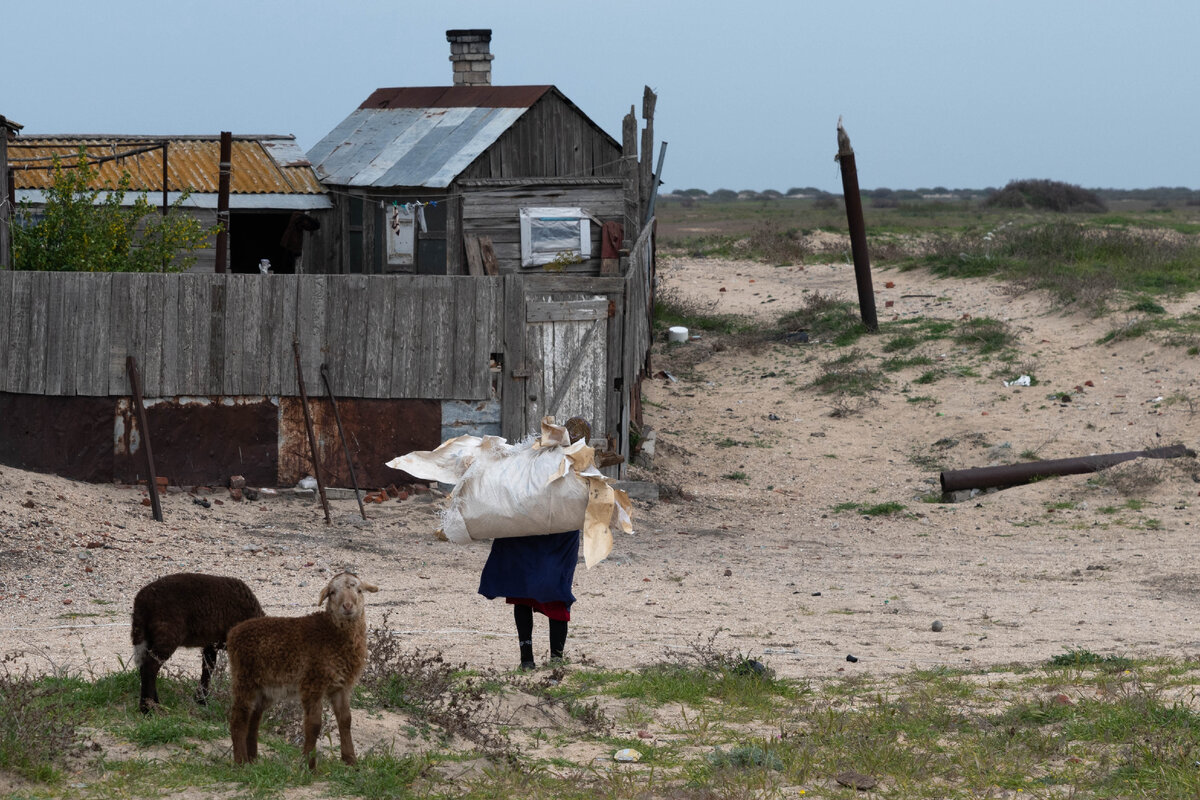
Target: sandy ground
[[763, 561]]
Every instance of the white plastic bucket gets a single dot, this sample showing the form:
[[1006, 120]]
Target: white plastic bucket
[[678, 333]]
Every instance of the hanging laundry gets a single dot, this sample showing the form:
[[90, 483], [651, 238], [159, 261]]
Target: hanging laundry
[[400, 234]]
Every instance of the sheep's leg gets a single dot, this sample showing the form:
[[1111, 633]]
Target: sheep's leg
[[152, 662], [208, 660], [340, 700], [256, 714], [311, 702], [240, 713]]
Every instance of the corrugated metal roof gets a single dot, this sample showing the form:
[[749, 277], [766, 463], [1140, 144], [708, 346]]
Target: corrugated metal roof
[[419, 136], [260, 164]]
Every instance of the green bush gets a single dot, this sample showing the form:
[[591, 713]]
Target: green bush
[[87, 229], [1046, 196]]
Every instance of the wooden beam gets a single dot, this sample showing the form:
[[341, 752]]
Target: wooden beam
[[474, 258]]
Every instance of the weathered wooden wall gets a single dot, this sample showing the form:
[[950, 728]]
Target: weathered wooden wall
[[493, 209], [552, 138], [68, 334]]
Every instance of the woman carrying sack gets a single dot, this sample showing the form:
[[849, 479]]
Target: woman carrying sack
[[535, 573]]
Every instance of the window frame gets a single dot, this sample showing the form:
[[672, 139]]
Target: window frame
[[532, 215]]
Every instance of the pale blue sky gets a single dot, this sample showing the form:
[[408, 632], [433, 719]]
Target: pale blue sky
[[951, 93]]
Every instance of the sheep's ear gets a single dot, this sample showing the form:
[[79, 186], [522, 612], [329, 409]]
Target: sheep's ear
[[368, 587], [324, 594]]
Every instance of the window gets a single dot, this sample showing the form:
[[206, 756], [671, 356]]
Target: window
[[550, 234]]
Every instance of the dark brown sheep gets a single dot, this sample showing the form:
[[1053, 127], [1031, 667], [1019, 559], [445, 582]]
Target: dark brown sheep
[[186, 609], [310, 658]]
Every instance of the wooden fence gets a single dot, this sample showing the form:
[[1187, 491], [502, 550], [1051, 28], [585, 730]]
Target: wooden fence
[[382, 336]]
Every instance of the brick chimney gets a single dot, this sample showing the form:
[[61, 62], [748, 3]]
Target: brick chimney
[[471, 56]]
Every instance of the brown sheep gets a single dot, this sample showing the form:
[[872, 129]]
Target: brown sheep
[[309, 658], [186, 609]]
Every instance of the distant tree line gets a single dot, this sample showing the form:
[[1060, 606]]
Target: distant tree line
[[1046, 195]]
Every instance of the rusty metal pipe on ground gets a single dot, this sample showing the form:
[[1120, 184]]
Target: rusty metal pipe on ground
[[1015, 474]]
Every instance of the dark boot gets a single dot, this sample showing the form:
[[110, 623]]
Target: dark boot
[[523, 616], [558, 639]]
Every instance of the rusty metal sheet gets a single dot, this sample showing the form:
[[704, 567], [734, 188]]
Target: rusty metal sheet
[[69, 436], [377, 431], [199, 440], [205, 440]]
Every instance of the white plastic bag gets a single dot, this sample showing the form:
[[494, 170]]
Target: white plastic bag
[[535, 487]]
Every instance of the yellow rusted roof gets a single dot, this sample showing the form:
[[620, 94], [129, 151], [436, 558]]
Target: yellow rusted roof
[[260, 164]]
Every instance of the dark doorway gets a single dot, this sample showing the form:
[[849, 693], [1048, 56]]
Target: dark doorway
[[254, 236]]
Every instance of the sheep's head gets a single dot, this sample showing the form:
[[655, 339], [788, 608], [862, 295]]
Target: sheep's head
[[344, 594]]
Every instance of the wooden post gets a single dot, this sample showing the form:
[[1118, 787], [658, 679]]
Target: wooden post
[[630, 177], [135, 388], [858, 230], [226, 167]]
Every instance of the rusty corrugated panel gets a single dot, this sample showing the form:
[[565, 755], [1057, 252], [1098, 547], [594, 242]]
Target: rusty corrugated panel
[[266, 165], [377, 432], [455, 97]]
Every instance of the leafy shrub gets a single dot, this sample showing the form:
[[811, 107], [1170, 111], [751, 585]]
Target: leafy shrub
[[81, 228], [1047, 196]]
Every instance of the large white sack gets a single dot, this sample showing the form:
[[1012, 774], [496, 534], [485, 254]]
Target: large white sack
[[535, 487]]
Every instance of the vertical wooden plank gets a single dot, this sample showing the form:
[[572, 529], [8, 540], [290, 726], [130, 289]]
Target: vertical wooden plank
[[477, 381], [513, 382], [438, 372], [379, 335], [97, 381], [335, 345], [253, 362], [150, 357], [172, 337], [142, 327], [60, 334], [345, 329], [464, 357], [7, 312], [218, 306], [120, 338], [312, 294], [491, 335], [281, 327], [235, 313], [35, 381], [192, 372], [16, 376], [406, 322]]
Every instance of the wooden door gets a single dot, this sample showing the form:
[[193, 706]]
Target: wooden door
[[566, 343]]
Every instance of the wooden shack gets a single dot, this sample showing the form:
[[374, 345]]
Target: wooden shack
[[526, 292], [421, 176]]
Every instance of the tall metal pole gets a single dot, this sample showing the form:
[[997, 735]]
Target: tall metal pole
[[226, 167], [135, 388], [312, 437], [858, 230], [337, 416]]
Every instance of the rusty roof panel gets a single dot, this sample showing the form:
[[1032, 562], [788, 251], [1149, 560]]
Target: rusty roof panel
[[260, 165], [455, 97]]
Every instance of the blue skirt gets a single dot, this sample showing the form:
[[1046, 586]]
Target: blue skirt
[[540, 568]]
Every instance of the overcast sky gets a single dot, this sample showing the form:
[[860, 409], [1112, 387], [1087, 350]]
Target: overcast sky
[[954, 93]]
